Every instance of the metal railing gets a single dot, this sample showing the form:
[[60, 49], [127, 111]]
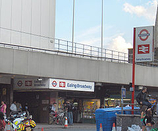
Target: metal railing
[[88, 51]]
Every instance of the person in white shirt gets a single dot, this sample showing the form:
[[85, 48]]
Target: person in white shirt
[[54, 107], [53, 111], [13, 107]]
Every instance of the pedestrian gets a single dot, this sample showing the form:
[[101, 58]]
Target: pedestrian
[[142, 98], [3, 108], [143, 114], [26, 107], [148, 119], [53, 109], [19, 106], [13, 108], [54, 112], [27, 110], [69, 112], [2, 122]]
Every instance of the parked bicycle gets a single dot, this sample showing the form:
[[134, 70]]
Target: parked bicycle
[[56, 118]]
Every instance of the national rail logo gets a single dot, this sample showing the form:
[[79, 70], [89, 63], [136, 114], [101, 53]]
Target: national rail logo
[[62, 84]]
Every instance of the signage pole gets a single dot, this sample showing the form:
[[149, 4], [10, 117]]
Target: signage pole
[[133, 71], [122, 100]]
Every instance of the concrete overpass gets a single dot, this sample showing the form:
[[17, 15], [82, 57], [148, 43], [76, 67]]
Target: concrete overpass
[[26, 62]]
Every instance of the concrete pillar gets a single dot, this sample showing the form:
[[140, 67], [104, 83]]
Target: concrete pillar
[[10, 96]]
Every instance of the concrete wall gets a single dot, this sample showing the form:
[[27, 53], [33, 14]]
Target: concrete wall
[[25, 22], [66, 67]]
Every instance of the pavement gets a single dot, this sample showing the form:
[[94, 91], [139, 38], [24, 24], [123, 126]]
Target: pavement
[[75, 125]]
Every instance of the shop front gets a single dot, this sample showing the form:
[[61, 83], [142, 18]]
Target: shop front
[[110, 95], [81, 95], [40, 95], [85, 105]]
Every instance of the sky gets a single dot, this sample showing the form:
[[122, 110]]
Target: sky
[[119, 19]]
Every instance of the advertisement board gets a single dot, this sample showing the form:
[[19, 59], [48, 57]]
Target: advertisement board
[[144, 44], [71, 85]]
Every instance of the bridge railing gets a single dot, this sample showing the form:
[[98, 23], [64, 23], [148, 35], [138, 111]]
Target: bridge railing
[[65, 47], [88, 51]]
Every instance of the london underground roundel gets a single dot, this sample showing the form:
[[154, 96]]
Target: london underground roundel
[[54, 83], [144, 34], [19, 83]]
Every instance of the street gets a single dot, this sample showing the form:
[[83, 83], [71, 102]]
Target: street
[[75, 127], [68, 129]]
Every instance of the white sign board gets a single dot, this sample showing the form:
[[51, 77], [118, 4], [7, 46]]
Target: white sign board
[[30, 84], [144, 44], [71, 85]]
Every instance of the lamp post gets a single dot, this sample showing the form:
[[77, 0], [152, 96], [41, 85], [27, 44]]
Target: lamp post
[[102, 31], [73, 19]]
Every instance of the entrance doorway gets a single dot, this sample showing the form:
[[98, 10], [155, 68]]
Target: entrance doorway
[[38, 104]]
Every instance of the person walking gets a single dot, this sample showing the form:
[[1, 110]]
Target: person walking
[[3, 108], [142, 98]]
